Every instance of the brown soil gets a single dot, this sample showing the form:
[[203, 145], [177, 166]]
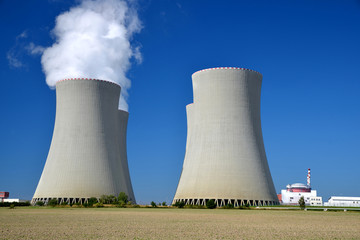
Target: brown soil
[[148, 223]]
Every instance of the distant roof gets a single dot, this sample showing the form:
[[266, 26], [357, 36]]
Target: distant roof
[[344, 198], [297, 185]]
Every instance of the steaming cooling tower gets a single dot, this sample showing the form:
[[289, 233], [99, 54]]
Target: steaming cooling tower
[[87, 156], [225, 157]]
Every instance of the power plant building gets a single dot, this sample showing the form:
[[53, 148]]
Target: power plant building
[[225, 157], [4, 196], [87, 156], [293, 192]]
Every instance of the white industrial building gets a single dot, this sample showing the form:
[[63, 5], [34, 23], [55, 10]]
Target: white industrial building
[[293, 192], [4, 197], [11, 200], [316, 201], [335, 201], [225, 158]]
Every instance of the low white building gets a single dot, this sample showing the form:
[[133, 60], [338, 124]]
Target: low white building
[[343, 202], [4, 197], [316, 201], [292, 194], [13, 200]]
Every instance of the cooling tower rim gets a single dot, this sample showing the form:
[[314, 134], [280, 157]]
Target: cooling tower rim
[[225, 68], [87, 79]]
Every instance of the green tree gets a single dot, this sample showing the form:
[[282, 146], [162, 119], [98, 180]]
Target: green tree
[[103, 199], [110, 199], [179, 204], [99, 205], [211, 204], [228, 206], [53, 202], [302, 202], [39, 203], [91, 201], [164, 204], [107, 199], [153, 204], [123, 197]]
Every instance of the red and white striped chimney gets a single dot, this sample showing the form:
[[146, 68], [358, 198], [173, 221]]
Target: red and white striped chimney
[[308, 178]]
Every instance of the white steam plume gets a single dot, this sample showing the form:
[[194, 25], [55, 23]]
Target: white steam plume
[[93, 41]]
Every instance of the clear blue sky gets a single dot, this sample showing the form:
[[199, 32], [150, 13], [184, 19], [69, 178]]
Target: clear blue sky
[[308, 52]]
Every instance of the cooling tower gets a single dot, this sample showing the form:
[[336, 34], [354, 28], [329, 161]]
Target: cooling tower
[[225, 157], [87, 156]]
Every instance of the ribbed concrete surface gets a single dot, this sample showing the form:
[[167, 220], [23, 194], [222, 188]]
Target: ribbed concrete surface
[[225, 157], [87, 157]]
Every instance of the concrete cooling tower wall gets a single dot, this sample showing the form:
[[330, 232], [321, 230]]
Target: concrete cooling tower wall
[[87, 156], [225, 158]]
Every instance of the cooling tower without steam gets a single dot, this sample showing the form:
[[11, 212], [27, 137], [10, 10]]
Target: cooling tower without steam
[[87, 156], [225, 156]]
